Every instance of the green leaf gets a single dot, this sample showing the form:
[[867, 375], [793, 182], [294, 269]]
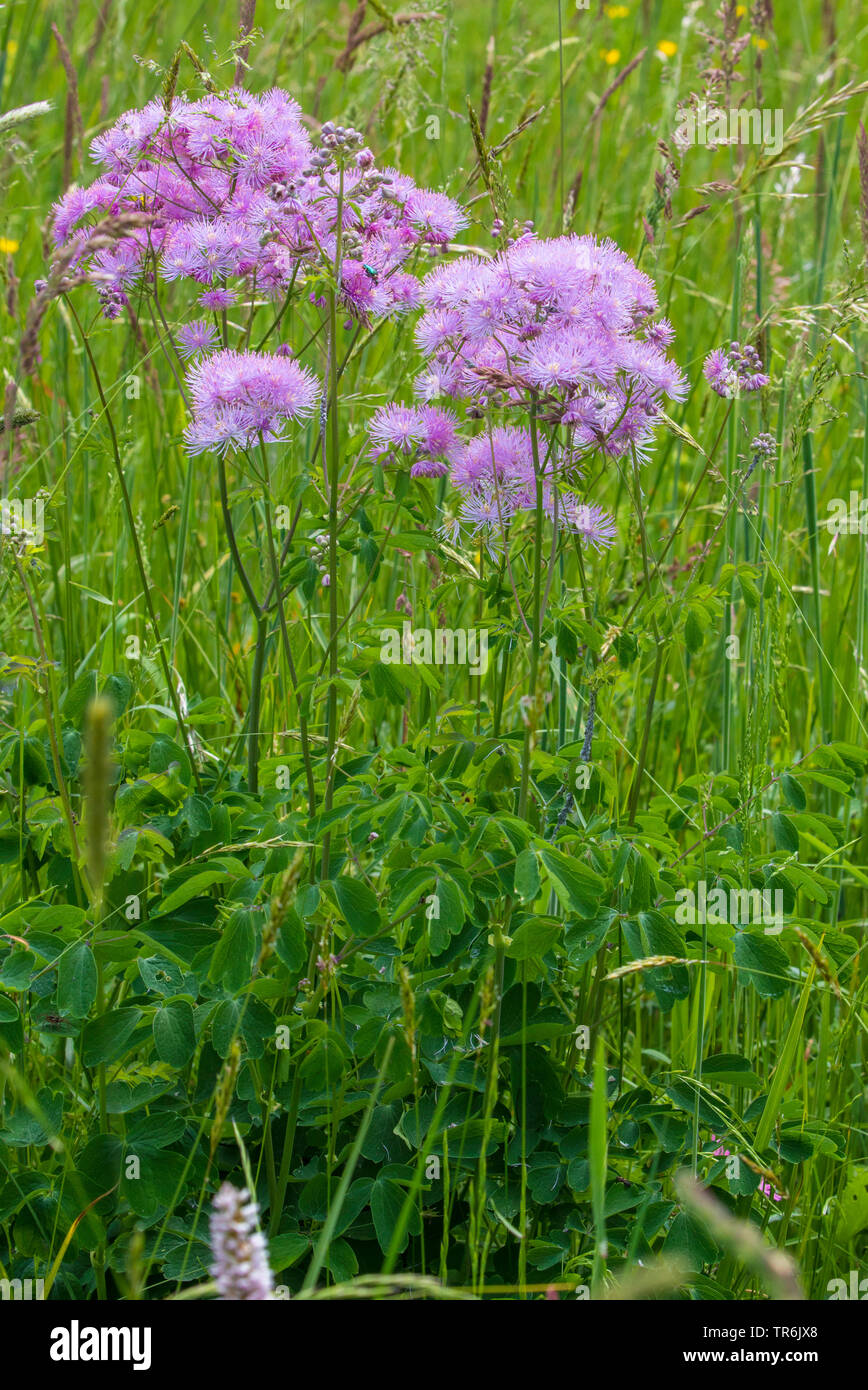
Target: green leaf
[[232, 961], [290, 945], [545, 1176], [763, 964], [192, 887], [533, 938], [104, 1039], [118, 689], [527, 881], [387, 1199], [583, 939], [447, 914], [153, 1132], [749, 591], [690, 1097], [174, 1033], [16, 970], [785, 833], [76, 980], [164, 976], [653, 934], [36, 1122], [358, 905], [165, 753], [286, 1250], [226, 1026], [578, 887], [340, 1258], [8, 1010], [728, 1069], [694, 628], [853, 1206], [688, 1239], [794, 792], [79, 696]]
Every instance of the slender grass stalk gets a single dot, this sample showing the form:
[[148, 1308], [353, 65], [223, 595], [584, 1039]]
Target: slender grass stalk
[[134, 537], [531, 716]]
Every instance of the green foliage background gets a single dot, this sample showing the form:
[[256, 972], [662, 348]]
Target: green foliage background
[[184, 1022]]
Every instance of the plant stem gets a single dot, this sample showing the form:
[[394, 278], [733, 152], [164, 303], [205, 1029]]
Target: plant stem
[[140, 561], [254, 707], [531, 712]]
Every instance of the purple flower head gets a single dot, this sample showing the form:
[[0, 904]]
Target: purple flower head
[[731, 370], [503, 456], [428, 468], [660, 333], [595, 526], [763, 448], [238, 396], [435, 216], [488, 509], [240, 1269], [396, 429], [424, 434], [238, 202], [720, 373], [196, 337], [566, 322], [217, 299]]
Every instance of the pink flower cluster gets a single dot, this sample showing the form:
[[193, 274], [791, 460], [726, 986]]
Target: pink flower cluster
[[424, 434], [240, 202], [236, 397], [732, 370], [494, 472], [566, 322]]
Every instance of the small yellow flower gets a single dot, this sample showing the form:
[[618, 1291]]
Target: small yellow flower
[[610, 56], [667, 48], [741, 11], [759, 43], [617, 11], [12, 47], [7, 247]]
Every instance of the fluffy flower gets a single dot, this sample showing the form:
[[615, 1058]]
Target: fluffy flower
[[595, 526], [238, 396], [217, 299], [396, 429], [488, 509], [235, 192], [567, 322], [196, 337], [425, 435], [502, 456]]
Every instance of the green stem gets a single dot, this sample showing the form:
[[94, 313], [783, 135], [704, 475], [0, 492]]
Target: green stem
[[255, 704], [254, 711], [333, 463], [531, 716], [137, 550]]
